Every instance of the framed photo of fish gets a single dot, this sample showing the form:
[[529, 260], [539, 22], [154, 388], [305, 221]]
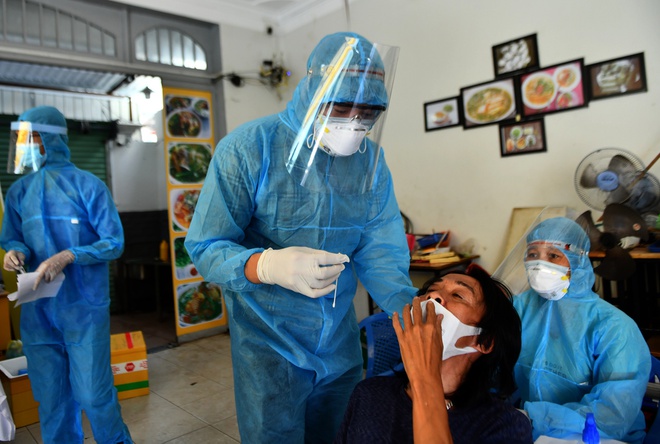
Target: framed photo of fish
[[489, 103], [552, 89], [516, 56], [527, 136], [616, 77], [443, 113]]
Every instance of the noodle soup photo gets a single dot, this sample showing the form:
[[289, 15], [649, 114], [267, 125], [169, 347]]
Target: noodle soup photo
[[556, 88], [489, 103]]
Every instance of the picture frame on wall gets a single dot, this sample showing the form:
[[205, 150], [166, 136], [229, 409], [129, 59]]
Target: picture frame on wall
[[516, 56], [617, 77], [443, 113], [553, 89], [489, 103], [525, 137]]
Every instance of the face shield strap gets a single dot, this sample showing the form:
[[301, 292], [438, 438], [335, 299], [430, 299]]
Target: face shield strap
[[39, 127], [351, 71]]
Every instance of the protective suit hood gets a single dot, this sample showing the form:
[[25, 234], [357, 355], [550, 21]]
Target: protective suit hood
[[56, 145], [371, 93], [569, 233]]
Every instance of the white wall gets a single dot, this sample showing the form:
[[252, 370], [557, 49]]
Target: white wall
[[138, 173], [455, 179]]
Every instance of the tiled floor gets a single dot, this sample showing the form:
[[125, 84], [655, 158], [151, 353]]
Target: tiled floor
[[191, 399]]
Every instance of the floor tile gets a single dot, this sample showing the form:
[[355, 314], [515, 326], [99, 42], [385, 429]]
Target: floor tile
[[191, 396], [229, 426], [213, 408], [207, 435]]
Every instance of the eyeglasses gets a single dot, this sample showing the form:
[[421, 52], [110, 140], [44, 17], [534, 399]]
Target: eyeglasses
[[351, 110]]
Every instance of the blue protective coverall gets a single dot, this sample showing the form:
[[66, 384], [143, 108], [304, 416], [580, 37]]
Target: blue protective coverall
[[66, 339], [580, 354], [296, 359]]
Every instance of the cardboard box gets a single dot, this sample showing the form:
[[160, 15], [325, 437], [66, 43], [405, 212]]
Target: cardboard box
[[18, 389], [129, 364]]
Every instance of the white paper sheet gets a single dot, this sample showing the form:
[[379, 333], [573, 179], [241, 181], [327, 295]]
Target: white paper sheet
[[574, 439], [25, 292], [7, 427]]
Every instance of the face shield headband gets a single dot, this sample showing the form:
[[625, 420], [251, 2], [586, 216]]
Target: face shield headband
[[337, 147], [25, 150], [561, 246]]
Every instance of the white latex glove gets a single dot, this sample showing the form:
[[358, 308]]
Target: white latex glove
[[304, 270], [14, 260], [53, 266]]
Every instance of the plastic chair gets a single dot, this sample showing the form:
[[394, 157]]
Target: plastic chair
[[651, 402], [383, 353]]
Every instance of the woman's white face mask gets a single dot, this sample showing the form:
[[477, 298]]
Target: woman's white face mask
[[549, 280], [339, 136], [452, 329]]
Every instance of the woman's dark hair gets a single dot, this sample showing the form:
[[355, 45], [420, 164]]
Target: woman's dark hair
[[491, 374]]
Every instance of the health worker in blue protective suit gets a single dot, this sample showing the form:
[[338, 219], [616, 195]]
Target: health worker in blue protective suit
[[60, 219], [296, 207], [580, 354]]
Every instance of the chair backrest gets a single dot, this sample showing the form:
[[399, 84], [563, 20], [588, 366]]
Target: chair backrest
[[383, 352], [650, 403]]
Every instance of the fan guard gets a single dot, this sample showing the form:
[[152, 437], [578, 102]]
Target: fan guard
[[611, 175]]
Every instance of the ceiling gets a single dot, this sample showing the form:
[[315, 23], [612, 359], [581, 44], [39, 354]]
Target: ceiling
[[282, 16], [277, 16], [59, 78]]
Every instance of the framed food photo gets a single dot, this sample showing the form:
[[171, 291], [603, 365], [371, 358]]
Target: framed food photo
[[523, 137], [488, 103], [553, 89], [516, 56], [443, 113], [616, 77]]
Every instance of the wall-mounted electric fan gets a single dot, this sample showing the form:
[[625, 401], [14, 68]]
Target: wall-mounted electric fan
[[613, 175]]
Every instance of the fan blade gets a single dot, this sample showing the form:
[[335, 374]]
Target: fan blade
[[621, 165], [644, 195], [618, 195], [616, 265], [589, 176], [623, 221], [587, 223]]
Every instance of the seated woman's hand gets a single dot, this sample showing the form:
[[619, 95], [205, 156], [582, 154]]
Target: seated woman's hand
[[421, 346]]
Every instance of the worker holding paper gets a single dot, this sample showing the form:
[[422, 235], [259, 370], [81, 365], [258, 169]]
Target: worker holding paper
[[62, 220]]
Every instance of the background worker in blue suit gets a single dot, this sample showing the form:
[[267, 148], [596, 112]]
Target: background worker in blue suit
[[296, 207], [60, 219], [580, 354]]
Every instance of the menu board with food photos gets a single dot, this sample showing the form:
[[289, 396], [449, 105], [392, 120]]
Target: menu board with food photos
[[188, 124]]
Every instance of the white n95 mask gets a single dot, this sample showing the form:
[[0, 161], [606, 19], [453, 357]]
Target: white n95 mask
[[549, 280], [452, 330], [340, 137]]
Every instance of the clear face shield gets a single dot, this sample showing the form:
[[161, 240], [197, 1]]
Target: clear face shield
[[26, 150], [338, 144]]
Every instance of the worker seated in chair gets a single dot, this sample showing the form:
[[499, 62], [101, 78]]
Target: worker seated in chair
[[458, 370], [580, 354]]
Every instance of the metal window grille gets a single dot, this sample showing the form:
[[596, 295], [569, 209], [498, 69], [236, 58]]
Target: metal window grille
[[28, 22], [170, 47]]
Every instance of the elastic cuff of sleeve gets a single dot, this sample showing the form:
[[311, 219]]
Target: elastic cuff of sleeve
[[262, 267]]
